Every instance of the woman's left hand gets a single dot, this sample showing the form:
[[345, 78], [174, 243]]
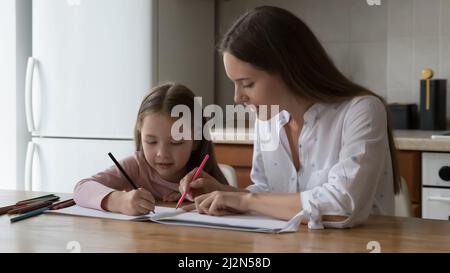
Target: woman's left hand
[[220, 203]]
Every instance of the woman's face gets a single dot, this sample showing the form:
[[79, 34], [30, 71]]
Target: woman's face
[[255, 86], [167, 156]]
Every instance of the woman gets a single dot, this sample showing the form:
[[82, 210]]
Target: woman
[[335, 162]]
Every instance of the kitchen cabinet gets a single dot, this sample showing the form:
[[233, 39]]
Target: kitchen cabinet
[[239, 156], [410, 165]]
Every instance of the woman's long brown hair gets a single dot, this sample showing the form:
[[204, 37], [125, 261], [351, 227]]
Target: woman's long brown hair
[[162, 99], [275, 40]]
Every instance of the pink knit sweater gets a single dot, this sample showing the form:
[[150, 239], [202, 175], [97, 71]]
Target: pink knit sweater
[[91, 191]]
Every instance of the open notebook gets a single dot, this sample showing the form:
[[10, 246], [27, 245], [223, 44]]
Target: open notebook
[[164, 215]]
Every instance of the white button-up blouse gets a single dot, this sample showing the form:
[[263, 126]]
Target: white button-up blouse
[[345, 163]]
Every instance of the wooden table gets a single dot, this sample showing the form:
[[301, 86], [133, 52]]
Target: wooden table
[[53, 233]]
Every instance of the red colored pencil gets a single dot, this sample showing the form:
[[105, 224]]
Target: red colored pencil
[[193, 178]]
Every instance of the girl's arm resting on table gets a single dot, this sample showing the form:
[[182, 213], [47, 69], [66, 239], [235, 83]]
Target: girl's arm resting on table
[[109, 202], [90, 194], [135, 202], [96, 191]]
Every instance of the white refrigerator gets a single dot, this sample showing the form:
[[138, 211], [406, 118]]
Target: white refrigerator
[[92, 62]]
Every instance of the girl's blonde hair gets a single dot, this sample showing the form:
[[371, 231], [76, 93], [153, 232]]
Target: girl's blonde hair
[[161, 100], [275, 40]]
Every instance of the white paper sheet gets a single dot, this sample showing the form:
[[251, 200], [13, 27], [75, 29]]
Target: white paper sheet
[[164, 215]]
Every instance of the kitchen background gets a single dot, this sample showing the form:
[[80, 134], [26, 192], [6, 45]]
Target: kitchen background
[[383, 47]]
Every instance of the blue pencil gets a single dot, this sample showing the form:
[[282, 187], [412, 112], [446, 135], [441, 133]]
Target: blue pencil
[[29, 214]]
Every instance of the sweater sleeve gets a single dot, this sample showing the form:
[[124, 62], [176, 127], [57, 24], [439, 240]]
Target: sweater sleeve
[[90, 192]]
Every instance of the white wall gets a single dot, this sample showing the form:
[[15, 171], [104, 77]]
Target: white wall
[[182, 55], [381, 47], [15, 34], [353, 33], [418, 37]]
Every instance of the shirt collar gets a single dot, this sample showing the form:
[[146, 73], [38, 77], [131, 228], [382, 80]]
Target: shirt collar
[[311, 116]]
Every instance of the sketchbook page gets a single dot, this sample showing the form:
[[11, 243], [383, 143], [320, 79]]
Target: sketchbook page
[[248, 222], [165, 215], [80, 211], [87, 212], [203, 225]]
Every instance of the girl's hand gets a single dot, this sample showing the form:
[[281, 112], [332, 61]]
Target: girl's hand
[[220, 203], [134, 202], [203, 184]]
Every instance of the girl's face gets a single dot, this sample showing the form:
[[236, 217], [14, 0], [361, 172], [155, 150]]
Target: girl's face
[[255, 86], [167, 156]]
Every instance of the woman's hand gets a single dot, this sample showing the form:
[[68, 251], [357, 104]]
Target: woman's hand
[[134, 202], [220, 203], [203, 184]]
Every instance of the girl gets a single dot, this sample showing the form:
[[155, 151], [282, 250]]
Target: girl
[[158, 163], [335, 163]]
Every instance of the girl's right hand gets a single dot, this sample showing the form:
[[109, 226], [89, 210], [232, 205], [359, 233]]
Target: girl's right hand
[[203, 184], [134, 202]]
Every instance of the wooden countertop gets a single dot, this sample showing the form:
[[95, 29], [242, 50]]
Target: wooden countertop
[[52, 233], [417, 140], [412, 140], [233, 136]]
